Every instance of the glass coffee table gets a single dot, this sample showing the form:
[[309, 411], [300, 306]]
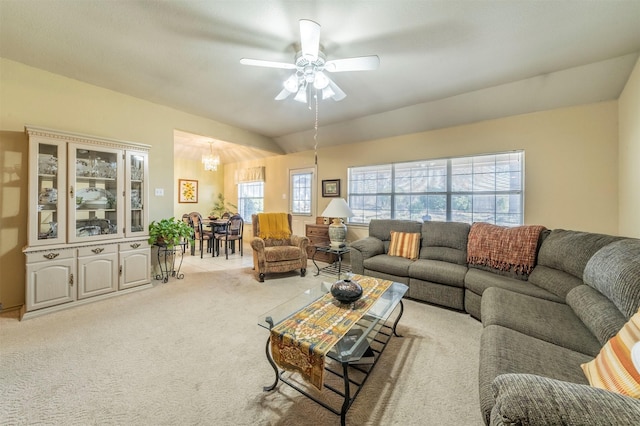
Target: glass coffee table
[[351, 360]]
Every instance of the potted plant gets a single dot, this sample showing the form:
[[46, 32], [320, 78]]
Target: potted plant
[[169, 232], [221, 206]]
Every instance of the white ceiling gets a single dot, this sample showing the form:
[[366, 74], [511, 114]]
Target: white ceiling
[[442, 63]]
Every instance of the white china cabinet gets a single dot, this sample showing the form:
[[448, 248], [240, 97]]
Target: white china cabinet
[[88, 219]]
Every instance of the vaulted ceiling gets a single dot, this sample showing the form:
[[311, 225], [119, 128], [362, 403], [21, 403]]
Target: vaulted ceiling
[[442, 63]]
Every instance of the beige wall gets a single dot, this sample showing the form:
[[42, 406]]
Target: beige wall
[[209, 185], [629, 156], [571, 159], [36, 97]]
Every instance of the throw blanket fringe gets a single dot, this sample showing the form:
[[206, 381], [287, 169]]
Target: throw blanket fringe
[[505, 249], [274, 225]]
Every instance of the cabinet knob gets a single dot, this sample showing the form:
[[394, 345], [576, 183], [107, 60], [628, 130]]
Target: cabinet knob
[[135, 245], [71, 280], [98, 250], [71, 191], [51, 255]]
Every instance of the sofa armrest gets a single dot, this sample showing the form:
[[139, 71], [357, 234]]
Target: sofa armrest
[[363, 249], [527, 399]]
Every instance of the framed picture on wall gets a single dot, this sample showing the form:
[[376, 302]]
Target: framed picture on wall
[[187, 191], [331, 188]]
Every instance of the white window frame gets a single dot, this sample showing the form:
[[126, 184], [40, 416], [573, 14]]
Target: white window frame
[[480, 188], [242, 200], [301, 194]]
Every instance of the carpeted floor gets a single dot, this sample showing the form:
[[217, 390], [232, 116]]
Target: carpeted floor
[[190, 352]]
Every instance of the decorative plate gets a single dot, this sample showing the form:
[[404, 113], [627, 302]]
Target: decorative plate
[[93, 194]]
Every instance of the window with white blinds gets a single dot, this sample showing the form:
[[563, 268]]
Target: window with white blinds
[[250, 199], [483, 188]]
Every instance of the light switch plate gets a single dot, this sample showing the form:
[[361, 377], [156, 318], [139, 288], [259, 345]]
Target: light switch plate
[[159, 192]]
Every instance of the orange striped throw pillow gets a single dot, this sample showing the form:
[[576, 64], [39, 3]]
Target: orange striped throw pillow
[[613, 368], [404, 244]]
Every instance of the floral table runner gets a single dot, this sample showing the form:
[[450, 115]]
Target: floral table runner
[[301, 342]]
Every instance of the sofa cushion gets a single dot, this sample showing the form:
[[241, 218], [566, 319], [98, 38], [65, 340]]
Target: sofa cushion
[[527, 399], [391, 265], [613, 369], [404, 244], [478, 281], [445, 241], [615, 272], [438, 272], [569, 251], [280, 253], [508, 250], [597, 312], [554, 281], [503, 350], [550, 321]]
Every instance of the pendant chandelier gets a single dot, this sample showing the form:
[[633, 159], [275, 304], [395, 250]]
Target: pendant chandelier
[[211, 161]]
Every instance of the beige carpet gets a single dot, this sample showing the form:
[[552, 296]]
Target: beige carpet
[[190, 352]]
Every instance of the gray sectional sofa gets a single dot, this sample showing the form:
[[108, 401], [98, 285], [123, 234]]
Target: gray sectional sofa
[[537, 327]]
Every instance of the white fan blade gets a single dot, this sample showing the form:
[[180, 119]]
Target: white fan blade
[[309, 39], [361, 63], [283, 95], [338, 93], [268, 64]]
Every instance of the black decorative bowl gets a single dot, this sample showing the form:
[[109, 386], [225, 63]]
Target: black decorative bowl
[[346, 291]]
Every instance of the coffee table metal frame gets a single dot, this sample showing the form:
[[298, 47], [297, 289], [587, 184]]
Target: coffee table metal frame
[[376, 326]]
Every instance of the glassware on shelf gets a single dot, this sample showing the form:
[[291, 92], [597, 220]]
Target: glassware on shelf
[[47, 164], [48, 197]]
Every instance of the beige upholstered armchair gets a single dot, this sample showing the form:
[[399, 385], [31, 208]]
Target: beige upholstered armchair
[[275, 249]]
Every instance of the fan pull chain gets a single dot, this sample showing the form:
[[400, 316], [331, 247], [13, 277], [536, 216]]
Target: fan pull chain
[[315, 135]]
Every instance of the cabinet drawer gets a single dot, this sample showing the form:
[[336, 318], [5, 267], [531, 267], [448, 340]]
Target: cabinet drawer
[[134, 245], [317, 231], [49, 255], [97, 249]]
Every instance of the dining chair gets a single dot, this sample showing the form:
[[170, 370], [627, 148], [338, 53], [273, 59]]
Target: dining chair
[[232, 234], [187, 219], [199, 233]]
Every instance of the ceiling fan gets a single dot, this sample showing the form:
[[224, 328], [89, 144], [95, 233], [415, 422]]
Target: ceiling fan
[[310, 66]]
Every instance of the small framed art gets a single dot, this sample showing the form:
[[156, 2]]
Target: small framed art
[[187, 191], [331, 188]]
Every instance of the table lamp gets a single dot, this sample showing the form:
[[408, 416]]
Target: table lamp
[[337, 209]]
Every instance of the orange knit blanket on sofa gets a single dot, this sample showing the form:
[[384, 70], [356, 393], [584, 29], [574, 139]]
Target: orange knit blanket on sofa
[[506, 249]]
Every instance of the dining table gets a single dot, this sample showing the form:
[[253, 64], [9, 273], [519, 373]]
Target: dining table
[[218, 226]]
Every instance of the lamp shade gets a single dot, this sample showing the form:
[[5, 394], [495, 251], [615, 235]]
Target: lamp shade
[[338, 207]]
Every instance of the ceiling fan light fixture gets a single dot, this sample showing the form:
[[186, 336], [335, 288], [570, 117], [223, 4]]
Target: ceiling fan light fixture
[[310, 65], [301, 96], [291, 84], [320, 81], [327, 93]]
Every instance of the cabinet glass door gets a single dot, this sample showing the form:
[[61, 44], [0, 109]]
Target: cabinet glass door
[[96, 203], [138, 198], [48, 227]]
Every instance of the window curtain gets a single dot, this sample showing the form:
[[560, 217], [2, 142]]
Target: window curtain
[[250, 174]]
